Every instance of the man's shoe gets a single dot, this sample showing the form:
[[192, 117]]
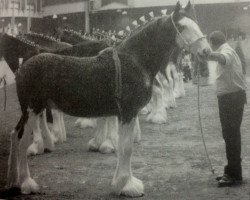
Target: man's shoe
[[227, 181], [218, 178]]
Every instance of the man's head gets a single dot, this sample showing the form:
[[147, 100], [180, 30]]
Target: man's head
[[216, 39]]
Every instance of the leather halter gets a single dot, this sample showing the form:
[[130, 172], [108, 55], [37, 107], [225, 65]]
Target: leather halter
[[186, 43]]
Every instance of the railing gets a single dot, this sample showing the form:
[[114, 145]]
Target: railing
[[19, 13]]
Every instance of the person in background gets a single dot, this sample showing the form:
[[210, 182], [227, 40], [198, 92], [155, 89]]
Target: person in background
[[186, 66], [231, 93]]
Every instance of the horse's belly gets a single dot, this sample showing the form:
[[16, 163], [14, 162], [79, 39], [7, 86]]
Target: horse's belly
[[85, 106]]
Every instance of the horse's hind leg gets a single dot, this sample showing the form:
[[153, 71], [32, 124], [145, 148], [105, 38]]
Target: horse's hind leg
[[18, 171], [123, 181], [13, 162], [28, 185], [48, 137], [109, 145]]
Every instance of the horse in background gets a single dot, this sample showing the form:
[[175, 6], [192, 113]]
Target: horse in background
[[163, 90], [85, 87], [45, 42], [71, 36]]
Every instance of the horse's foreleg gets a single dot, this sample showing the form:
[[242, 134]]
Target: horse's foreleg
[[64, 135], [176, 84], [37, 147], [123, 181], [100, 135], [182, 89], [110, 143], [57, 129], [137, 130], [159, 113], [171, 98], [48, 137]]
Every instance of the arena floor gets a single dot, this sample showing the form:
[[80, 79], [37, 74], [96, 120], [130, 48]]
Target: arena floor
[[170, 158]]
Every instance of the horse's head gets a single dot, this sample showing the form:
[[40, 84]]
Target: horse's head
[[189, 35]]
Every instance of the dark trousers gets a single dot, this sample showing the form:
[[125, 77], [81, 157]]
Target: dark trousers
[[187, 73], [231, 107]]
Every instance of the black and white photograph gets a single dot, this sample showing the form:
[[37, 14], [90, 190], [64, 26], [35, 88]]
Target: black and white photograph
[[124, 99]]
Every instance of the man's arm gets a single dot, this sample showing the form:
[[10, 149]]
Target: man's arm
[[215, 56]]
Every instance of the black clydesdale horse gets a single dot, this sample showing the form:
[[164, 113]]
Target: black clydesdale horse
[[87, 87]]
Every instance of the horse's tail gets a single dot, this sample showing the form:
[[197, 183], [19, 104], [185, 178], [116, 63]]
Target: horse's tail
[[20, 125]]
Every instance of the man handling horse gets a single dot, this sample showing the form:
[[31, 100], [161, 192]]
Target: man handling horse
[[231, 93]]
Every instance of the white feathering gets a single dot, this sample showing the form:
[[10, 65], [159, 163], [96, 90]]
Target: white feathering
[[135, 23], [164, 12], [151, 14]]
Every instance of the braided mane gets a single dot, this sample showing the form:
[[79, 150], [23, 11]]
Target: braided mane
[[26, 41], [79, 34], [46, 37]]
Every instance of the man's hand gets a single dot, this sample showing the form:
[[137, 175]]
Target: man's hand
[[204, 55]]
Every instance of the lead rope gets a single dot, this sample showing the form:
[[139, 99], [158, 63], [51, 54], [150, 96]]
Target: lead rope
[[5, 93], [199, 110], [200, 120]]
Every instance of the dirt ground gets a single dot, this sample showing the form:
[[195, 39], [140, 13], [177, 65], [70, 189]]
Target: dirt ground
[[170, 158]]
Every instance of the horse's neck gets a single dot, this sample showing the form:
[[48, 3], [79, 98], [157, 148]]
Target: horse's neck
[[11, 51], [72, 39], [150, 48], [43, 42]]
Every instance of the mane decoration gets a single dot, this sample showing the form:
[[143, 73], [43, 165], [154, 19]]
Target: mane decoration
[[46, 37], [79, 34], [128, 31], [26, 41]]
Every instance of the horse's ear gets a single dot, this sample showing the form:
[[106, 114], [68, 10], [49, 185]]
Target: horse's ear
[[177, 7], [188, 7], [177, 10]]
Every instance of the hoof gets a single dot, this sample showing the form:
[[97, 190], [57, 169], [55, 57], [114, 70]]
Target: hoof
[[29, 186], [118, 184], [85, 123], [35, 148], [159, 121], [107, 147], [49, 146], [92, 145], [157, 118], [144, 111], [133, 188], [54, 138], [57, 134], [177, 94], [137, 138], [173, 105]]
